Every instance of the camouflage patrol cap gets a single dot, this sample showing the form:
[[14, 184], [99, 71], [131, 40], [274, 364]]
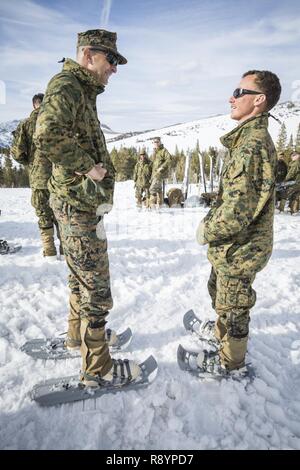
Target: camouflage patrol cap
[[102, 40], [142, 152]]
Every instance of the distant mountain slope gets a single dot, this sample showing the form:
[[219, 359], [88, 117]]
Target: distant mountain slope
[[208, 131]]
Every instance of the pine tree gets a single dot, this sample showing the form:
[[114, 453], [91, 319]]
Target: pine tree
[[124, 162], [282, 139], [290, 146], [1, 173], [194, 164], [180, 166], [8, 173], [297, 143], [21, 177]]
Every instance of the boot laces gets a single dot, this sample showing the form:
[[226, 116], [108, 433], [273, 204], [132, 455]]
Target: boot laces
[[4, 246], [207, 328]]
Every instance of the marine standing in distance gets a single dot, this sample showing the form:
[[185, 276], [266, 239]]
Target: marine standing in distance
[[161, 162], [24, 151], [141, 176]]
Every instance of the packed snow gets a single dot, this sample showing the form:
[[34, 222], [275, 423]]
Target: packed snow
[[158, 272], [207, 131]]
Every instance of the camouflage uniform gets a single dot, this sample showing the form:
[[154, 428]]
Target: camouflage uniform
[[281, 172], [68, 132], [239, 231], [39, 168], [160, 169], [293, 193], [141, 177]]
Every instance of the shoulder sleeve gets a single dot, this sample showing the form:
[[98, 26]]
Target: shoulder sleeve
[[19, 148], [54, 135], [245, 194]]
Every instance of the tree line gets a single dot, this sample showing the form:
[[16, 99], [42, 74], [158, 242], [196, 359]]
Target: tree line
[[12, 176], [285, 146], [125, 158]]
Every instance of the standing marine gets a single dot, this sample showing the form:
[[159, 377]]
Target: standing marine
[[239, 228], [82, 186], [24, 151], [141, 176], [161, 162], [292, 194]]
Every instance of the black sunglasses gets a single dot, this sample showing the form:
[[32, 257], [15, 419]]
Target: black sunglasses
[[239, 92], [111, 58]]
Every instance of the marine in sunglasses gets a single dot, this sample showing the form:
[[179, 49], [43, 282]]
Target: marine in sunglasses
[[239, 228], [247, 100]]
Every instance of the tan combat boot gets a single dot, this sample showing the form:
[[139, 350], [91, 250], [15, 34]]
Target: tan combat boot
[[96, 359], [97, 365], [47, 236], [73, 341], [152, 202], [139, 202], [158, 201], [233, 351], [282, 205], [294, 206]]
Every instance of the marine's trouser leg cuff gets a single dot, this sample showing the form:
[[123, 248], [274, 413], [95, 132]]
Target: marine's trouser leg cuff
[[74, 320], [96, 359], [233, 352]]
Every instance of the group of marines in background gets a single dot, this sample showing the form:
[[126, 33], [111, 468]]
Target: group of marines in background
[[150, 176]]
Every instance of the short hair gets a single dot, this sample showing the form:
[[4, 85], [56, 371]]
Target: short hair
[[269, 84], [38, 98]]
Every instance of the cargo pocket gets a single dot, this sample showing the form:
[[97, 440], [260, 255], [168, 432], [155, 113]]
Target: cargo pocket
[[238, 170], [86, 253]]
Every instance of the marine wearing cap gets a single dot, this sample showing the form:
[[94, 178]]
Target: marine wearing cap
[[101, 40]]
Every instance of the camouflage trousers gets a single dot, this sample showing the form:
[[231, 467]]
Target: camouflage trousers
[[294, 200], [232, 298], [293, 197], [156, 193], [40, 202], [89, 282], [140, 194], [46, 221]]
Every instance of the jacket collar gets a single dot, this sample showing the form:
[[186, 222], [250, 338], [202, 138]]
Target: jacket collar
[[84, 75], [34, 112], [231, 139]]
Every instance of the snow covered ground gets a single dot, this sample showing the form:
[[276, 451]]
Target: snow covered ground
[[158, 272]]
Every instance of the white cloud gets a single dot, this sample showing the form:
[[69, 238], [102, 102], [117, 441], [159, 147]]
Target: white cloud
[[163, 83], [107, 4], [179, 66]]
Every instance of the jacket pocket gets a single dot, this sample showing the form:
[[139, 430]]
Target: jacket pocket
[[238, 170]]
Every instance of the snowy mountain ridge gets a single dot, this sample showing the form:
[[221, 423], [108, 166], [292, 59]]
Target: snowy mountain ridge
[[207, 130]]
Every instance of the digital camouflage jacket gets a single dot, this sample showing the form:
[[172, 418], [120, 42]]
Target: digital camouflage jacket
[[239, 228], [161, 163], [142, 173], [23, 150], [68, 132]]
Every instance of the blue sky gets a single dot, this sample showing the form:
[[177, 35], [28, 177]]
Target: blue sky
[[184, 57]]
